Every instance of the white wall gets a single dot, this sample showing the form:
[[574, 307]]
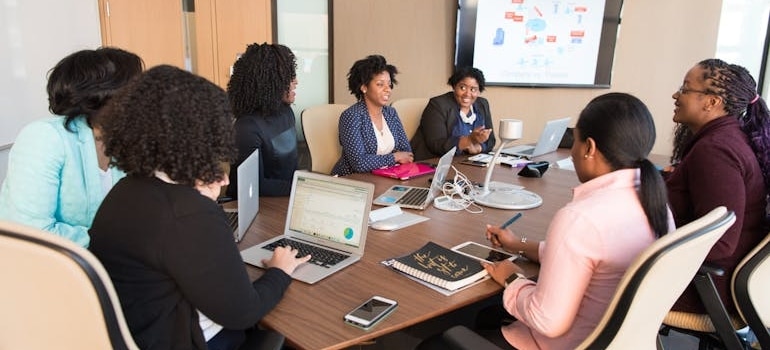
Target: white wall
[[34, 35]]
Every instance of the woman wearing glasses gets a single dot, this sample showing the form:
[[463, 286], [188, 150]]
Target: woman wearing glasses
[[457, 118], [721, 157]]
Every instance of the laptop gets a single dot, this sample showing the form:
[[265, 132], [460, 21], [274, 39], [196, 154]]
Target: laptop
[[548, 142], [327, 217], [418, 197], [248, 196]]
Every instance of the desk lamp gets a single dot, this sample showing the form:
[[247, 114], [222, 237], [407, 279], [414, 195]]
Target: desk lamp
[[501, 195]]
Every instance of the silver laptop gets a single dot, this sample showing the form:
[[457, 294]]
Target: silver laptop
[[548, 142], [248, 196], [327, 218], [418, 197]]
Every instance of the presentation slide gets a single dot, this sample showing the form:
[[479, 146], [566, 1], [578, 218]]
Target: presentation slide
[[538, 42]]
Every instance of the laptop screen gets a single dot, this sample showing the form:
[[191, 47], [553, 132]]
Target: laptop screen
[[329, 210]]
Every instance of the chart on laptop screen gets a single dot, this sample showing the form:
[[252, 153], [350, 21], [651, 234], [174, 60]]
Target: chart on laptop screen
[[329, 210]]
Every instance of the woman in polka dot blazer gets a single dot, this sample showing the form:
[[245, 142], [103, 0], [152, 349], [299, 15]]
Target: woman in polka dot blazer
[[370, 131]]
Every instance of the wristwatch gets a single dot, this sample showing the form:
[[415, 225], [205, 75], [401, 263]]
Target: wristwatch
[[514, 277]]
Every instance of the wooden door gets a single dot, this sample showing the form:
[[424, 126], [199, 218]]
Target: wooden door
[[152, 29]]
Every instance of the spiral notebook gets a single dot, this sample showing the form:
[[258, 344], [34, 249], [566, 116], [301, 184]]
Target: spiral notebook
[[440, 266]]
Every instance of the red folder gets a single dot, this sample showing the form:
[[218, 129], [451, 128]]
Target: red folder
[[405, 171]]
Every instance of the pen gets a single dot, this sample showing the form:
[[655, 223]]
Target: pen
[[511, 220]]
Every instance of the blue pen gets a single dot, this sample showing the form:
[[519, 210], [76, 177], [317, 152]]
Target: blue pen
[[511, 220]]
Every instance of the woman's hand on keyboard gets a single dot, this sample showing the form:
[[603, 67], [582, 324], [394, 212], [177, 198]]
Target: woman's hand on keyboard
[[285, 258]]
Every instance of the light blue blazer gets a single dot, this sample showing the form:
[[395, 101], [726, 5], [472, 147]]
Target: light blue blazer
[[53, 179]]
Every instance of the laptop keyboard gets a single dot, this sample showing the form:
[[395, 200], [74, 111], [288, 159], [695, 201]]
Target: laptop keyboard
[[527, 151], [319, 256], [232, 219], [415, 196]]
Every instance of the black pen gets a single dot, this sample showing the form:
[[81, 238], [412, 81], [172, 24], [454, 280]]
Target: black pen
[[510, 221]]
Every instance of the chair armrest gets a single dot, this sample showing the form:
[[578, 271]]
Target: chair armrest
[[711, 269], [462, 338]]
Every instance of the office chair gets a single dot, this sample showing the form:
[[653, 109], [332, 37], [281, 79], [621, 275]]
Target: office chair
[[650, 286], [56, 295], [410, 112], [320, 125], [750, 285]]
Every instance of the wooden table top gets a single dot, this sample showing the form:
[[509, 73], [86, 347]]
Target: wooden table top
[[310, 316]]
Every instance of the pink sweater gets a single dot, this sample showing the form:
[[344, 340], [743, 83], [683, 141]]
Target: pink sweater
[[590, 244]]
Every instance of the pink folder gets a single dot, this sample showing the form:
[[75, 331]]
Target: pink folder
[[405, 171]]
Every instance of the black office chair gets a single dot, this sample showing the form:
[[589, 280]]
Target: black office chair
[[646, 292], [750, 285]]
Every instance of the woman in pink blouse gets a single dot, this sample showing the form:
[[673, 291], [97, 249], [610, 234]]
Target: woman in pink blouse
[[618, 210]]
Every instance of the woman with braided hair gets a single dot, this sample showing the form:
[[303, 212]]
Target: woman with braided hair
[[261, 91], [721, 157]]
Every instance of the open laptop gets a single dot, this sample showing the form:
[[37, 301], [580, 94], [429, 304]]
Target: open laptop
[[548, 142], [248, 196], [418, 197], [327, 217]]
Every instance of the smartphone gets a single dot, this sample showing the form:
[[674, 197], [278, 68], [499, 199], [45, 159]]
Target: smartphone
[[482, 252], [370, 312]]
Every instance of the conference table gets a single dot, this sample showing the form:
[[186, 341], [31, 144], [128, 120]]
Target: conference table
[[311, 316]]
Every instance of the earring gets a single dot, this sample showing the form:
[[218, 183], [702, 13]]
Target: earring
[[585, 156], [364, 91]]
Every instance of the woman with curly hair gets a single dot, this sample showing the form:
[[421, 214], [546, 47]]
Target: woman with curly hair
[[370, 132], [176, 269], [57, 171], [722, 157], [261, 92], [459, 118]]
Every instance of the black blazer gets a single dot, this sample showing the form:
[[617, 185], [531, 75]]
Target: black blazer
[[433, 137]]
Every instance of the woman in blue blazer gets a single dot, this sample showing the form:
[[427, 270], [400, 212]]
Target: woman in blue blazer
[[57, 171], [370, 132]]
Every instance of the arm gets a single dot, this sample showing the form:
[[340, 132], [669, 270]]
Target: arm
[[206, 265], [32, 186], [550, 306], [714, 178], [489, 145], [434, 125], [357, 153]]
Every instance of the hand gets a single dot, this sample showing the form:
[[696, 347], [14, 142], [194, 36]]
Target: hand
[[403, 157], [285, 258], [501, 237], [501, 270], [480, 135]]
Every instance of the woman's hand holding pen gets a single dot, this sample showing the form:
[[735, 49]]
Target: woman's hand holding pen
[[502, 237]]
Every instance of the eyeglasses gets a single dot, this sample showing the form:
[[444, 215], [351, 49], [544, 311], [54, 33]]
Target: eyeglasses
[[683, 91]]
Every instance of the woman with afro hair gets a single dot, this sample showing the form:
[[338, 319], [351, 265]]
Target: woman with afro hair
[[261, 90], [160, 234], [370, 132]]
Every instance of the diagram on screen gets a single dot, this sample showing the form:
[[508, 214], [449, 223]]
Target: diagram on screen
[[539, 40]]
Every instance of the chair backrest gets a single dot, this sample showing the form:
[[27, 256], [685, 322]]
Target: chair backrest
[[751, 288], [320, 125], [55, 295], [654, 281], [410, 112]]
